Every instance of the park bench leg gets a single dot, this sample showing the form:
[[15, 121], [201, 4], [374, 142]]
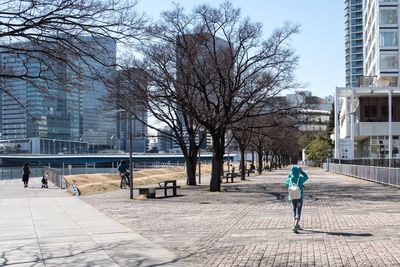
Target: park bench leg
[[174, 190]]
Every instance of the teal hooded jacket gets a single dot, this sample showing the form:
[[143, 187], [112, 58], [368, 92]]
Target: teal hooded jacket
[[296, 174]]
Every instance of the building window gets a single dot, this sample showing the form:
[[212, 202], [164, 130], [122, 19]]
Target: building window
[[388, 39], [370, 113], [388, 61], [396, 109], [387, 16], [384, 116], [375, 109]]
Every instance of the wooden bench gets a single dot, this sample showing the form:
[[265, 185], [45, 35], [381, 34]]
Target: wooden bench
[[230, 175], [150, 192]]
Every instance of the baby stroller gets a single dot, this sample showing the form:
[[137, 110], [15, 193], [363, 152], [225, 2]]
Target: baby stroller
[[44, 182]]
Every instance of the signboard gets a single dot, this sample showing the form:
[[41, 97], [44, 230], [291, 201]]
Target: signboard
[[346, 148]]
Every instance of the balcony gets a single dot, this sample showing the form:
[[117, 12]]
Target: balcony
[[374, 129]]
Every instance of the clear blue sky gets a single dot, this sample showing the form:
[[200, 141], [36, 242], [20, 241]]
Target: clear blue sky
[[320, 44]]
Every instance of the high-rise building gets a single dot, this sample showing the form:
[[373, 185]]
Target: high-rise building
[[139, 132], [196, 51], [57, 115], [353, 41], [98, 122], [126, 93], [164, 142], [381, 49]]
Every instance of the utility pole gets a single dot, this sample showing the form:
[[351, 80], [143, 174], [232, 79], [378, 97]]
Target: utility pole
[[199, 167], [130, 156]]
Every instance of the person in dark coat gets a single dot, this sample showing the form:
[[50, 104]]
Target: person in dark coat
[[26, 173]]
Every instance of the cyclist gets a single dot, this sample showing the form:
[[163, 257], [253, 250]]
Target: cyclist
[[123, 172]]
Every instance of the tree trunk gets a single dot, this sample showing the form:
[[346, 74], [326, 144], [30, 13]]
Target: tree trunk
[[271, 162], [279, 161], [260, 159], [217, 161], [242, 164], [191, 164], [266, 158], [190, 155]]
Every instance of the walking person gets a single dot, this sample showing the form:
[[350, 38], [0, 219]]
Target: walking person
[[25, 174], [295, 184]]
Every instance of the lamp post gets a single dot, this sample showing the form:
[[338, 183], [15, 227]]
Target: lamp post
[[199, 167], [130, 157]]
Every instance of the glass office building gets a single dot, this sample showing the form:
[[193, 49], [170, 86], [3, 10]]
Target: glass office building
[[48, 109], [353, 41]]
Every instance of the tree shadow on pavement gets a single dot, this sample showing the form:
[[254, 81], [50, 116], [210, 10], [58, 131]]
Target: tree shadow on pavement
[[73, 254], [338, 233]]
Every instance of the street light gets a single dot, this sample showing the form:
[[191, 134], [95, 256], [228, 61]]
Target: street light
[[199, 166], [130, 157]]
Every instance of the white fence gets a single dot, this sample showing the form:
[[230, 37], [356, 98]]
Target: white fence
[[383, 175]]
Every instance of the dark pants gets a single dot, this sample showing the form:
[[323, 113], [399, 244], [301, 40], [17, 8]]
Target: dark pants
[[25, 179], [297, 205]]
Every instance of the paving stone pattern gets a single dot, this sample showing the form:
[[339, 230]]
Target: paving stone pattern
[[346, 222], [50, 227]]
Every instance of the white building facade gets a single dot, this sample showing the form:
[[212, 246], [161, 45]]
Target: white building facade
[[381, 45], [368, 124]]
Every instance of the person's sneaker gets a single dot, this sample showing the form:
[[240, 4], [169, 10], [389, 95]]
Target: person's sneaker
[[298, 227], [295, 228]]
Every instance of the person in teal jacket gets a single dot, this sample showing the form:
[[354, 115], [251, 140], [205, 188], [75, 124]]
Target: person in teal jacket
[[297, 175]]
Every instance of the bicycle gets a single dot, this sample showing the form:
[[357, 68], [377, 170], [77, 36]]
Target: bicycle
[[124, 180]]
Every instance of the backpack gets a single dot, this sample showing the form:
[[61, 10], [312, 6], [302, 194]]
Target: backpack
[[294, 190]]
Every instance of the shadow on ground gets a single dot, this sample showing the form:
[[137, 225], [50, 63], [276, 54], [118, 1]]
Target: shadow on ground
[[346, 234]]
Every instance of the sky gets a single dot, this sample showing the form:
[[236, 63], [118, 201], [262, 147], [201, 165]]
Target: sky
[[319, 45]]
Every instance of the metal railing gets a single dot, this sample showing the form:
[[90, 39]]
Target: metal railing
[[16, 172], [394, 163], [383, 175], [55, 176], [67, 169]]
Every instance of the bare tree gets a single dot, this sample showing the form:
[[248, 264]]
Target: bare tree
[[242, 133], [216, 68], [72, 34], [143, 87], [282, 140]]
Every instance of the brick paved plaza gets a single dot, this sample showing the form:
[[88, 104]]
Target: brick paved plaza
[[346, 221]]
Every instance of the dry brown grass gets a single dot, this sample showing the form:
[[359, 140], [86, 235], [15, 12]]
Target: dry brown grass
[[102, 182]]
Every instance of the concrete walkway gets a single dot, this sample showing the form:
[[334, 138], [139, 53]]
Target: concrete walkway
[[50, 227], [346, 222]]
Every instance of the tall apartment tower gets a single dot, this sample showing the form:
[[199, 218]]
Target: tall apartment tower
[[381, 49], [353, 41]]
